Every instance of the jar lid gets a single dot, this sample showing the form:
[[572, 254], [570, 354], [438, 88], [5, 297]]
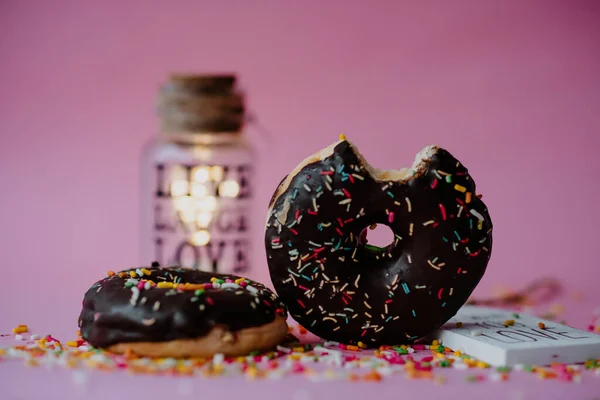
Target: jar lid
[[201, 103]]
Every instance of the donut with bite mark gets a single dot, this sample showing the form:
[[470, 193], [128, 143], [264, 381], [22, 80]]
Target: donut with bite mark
[[341, 288]]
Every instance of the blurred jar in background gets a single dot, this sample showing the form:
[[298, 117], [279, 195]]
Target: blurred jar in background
[[196, 177]]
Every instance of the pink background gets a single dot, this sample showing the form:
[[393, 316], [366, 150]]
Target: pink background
[[512, 88]]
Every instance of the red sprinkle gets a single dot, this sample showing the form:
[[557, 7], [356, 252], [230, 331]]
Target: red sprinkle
[[301, 303], [346, 193], [326, 172], [391, 217], [295, 232], [440, 293], [210, 301], [434, 184], [443, 210], [339, 231], [351, 179]]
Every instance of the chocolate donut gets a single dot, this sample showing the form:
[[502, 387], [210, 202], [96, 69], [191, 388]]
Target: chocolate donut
[[344, 290], [176, 312]]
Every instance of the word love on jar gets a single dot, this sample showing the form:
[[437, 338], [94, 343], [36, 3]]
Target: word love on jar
[[200, 216]]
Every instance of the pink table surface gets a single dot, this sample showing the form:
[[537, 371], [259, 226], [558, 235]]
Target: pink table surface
[[57, 316]]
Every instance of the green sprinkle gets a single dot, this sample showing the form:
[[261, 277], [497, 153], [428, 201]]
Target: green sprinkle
[[199, 292], [515, 315], [449, 178], [503, 369]]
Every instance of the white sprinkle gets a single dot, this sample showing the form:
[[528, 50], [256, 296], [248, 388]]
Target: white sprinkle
[[250, 288], [408, 204], [356, 281], [346, 201], [476, 333], [307, 187], [428, 222], [285, 349], [149, 322], [218, 359], [433, 265], [133, 281], [409, 259], [19, 337], [410, 229], [229, 285], [479, 216], [139, 272], [35, 336], [156, 306], [135, 294]]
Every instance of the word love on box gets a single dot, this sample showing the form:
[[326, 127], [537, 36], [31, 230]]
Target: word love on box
[[503, 338]]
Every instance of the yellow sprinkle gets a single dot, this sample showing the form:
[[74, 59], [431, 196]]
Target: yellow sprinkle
[[509, 322], [352, 348], [164, 285], [468, 196], [213, 279], [435, 343], [481, 364], [21, 329], [457, 353], [2, 352], [132, 274], [460, 188], [110, 273], [146, 271], [122, 274], [459, 324], [362, 345], [72, 344], [403, 346], [299, 349], [541, 325], [439, 355], [239, 280], [342, 136]]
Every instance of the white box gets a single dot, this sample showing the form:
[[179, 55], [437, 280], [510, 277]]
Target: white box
[[484, 336]]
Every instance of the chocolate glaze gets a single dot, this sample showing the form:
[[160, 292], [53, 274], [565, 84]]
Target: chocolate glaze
[[341, 289], [112, 313]]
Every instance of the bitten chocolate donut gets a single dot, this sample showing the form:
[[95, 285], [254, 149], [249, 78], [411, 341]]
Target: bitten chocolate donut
[[176, 312], [343, 290]]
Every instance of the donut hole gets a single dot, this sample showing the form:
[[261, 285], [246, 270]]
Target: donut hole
[[377, 236]]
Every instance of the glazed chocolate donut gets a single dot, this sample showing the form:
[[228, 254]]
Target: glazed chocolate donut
[[344, 290], [176, 312]]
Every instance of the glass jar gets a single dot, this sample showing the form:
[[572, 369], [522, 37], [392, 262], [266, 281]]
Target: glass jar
[[196, 192]]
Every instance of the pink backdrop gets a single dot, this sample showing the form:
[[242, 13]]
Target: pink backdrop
[[512, 88]]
